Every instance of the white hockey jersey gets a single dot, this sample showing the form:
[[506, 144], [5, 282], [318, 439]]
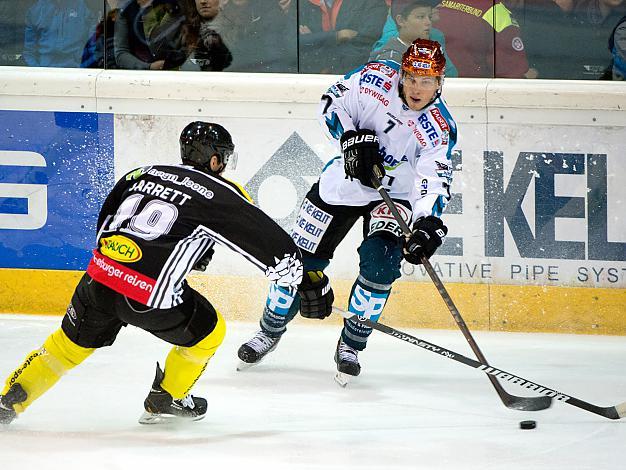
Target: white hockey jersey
[[416, 145]]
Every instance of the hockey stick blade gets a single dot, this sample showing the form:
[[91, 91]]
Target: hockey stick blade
[[510, 401], [611, 412], [514, 402]]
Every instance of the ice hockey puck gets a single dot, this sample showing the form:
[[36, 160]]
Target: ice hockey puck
[[528, 424]]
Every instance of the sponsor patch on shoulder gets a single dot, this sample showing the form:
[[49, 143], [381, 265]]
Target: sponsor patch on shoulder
[[380, 67], [439, 119]]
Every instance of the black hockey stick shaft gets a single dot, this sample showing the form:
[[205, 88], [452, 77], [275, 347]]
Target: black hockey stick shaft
[[611, 412], [510, 401]]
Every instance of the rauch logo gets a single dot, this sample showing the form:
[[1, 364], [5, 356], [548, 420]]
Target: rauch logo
[[120, 248]]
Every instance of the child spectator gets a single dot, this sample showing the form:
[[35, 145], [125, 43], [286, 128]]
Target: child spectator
[[412, 19]]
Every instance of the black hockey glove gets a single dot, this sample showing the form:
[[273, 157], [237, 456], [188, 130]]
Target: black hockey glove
[[428, 234], [360, 155], [203, 262], [316, 295]]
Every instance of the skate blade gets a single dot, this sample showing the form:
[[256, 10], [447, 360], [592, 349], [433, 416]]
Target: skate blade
[[156, 418], [342, 379]]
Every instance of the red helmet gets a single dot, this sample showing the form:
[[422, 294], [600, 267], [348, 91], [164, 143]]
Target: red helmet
[[424, 57]]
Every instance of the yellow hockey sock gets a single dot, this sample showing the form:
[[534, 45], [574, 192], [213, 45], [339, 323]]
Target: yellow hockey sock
[[43, 367], [184, 366]]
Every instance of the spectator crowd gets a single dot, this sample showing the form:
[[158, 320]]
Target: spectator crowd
[[551, 39]]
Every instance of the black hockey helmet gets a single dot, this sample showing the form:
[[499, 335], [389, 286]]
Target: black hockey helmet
[[199, 141]]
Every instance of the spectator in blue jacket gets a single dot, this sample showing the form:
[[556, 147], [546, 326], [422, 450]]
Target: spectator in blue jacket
[[56, 32]]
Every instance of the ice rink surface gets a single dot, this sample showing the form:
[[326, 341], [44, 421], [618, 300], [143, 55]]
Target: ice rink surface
[[409, 409]]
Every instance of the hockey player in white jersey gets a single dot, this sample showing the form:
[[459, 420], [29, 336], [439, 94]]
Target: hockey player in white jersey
[[384, 115]]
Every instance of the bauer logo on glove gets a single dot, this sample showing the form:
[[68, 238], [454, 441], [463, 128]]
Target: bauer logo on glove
[[361, 154], [358, 139]]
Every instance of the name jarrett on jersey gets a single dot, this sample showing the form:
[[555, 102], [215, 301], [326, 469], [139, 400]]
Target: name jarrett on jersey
[[182, 212]]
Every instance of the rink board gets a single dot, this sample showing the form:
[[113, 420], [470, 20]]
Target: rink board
[[411, 305], [537, 220]]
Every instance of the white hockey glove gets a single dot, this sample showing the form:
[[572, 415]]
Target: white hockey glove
[[287, 272]]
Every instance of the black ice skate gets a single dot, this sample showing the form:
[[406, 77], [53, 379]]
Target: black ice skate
[[161, 407], [347, 363], [16, 394], [254, 350]]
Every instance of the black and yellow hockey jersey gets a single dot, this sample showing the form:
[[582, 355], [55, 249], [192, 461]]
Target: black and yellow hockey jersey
[[158, 221]]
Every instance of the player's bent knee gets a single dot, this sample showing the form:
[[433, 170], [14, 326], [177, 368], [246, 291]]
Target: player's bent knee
[[380, 259], [206, 347], [64, 351], [185, 364]]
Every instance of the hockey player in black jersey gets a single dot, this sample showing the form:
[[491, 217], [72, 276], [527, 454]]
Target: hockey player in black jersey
[[156, 225]]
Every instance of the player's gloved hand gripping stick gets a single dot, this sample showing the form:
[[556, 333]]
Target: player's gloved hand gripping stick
[[360, 153], [510, 401]]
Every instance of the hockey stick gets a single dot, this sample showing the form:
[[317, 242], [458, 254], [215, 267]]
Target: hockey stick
[[510, 401], [611, 412]]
